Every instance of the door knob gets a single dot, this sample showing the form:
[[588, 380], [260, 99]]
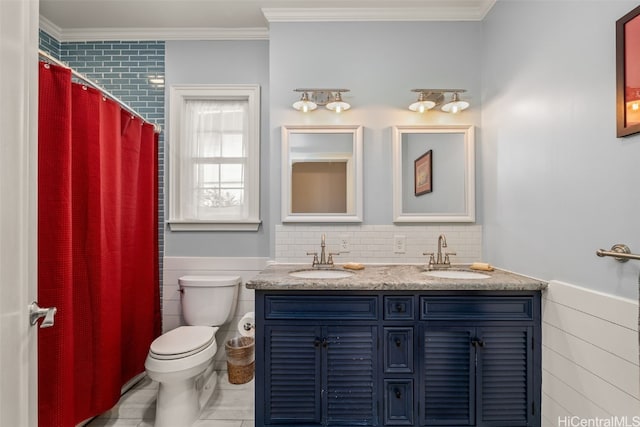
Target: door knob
[[35, 312]]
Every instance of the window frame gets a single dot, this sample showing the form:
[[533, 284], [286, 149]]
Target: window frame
[[178, 97]]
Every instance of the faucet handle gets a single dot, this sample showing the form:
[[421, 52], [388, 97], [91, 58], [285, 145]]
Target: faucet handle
[[446, 257], [331, 254], [315, 258], [432, 260]]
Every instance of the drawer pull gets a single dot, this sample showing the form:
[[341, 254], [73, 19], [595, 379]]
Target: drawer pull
[[316, 342], [400, 308], [398, 342], [398, 393]]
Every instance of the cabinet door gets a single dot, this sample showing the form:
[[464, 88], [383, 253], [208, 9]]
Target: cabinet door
[[448, 376], [505, 373], [351, 366], [293, 383]]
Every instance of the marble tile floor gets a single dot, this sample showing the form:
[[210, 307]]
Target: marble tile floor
[[230, 405]]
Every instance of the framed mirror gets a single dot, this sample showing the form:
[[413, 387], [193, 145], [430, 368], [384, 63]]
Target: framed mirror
[[322, 174], [433, 174]]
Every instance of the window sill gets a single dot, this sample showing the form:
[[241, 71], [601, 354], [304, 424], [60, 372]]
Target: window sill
[[214, 225]]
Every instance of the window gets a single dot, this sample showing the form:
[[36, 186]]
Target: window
[[214, 150]]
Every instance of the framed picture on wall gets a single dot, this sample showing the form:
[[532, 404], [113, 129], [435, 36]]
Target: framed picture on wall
[[423, 177], [628, 74]]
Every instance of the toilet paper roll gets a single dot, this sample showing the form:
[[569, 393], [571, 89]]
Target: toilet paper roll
[[247, 325]]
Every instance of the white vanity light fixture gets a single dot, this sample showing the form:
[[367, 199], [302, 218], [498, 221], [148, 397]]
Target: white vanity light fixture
[[304, 104], [330, 98], [429, 98], [426, 100], [338, 105], [456, 104]]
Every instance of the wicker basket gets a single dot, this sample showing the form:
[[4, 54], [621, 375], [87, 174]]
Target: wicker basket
[[240, 359]]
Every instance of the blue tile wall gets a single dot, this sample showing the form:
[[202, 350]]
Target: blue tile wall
[[49, 44], [124, 68]]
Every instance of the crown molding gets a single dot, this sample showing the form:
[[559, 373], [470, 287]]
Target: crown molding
[[50, 28], [451, 10], [429, 13], [146, 34]]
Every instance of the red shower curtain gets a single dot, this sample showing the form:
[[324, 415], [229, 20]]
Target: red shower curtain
[[97, 248]]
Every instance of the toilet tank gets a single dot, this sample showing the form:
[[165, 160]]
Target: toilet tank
[[208, 300]]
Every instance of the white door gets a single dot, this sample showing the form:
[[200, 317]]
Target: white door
[[18, 210]]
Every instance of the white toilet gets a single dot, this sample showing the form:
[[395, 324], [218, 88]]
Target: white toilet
[[181, 360]]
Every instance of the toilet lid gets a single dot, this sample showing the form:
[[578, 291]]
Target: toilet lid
[[182, 342]]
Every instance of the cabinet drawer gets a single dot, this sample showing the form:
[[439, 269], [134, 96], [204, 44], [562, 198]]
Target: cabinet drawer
[[398, 402], [476, 308], [398, 308], [321, 307], [398, 350]]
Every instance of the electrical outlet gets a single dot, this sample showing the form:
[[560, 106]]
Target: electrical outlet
[[344, 244], [399, 244]]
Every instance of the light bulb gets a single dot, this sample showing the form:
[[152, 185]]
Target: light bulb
[[635, 106]]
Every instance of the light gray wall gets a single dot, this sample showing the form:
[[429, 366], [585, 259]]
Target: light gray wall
[[557, 183], [223, 62], [380, 63]]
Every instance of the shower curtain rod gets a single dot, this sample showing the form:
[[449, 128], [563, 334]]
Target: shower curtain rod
[[105, 92]]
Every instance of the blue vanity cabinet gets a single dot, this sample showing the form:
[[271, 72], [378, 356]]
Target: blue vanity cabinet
[[320, 361], [294, 372], [385, 358], [399, 400], [478, 361]]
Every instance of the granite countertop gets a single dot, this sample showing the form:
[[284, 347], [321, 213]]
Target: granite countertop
[[398, 277]]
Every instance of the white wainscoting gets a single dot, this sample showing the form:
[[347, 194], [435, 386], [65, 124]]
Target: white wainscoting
[[176, 267], [589, 357]]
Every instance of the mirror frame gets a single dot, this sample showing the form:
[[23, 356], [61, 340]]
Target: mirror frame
[[469, 214], [287, 215]]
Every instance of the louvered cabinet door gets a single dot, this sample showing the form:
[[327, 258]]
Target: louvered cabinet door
[[448, 376], [292, 359], [505, 389], [351, 367]]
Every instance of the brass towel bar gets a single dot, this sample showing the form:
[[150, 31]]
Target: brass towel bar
[[620, 252]]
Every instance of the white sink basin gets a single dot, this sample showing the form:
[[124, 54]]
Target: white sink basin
[[321, 274], [456, 274]]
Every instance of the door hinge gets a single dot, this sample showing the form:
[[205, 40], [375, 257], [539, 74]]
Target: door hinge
[[533, 408]]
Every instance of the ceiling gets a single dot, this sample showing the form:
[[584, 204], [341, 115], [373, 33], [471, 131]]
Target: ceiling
[[69, 20]]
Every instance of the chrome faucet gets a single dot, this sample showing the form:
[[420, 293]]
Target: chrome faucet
[[437, 262], [324, 261]]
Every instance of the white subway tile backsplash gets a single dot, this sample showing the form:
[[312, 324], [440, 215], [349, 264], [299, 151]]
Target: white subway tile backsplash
[[374, 243]]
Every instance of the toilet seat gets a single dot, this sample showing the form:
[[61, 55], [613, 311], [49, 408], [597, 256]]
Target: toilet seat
[[182, 342]]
